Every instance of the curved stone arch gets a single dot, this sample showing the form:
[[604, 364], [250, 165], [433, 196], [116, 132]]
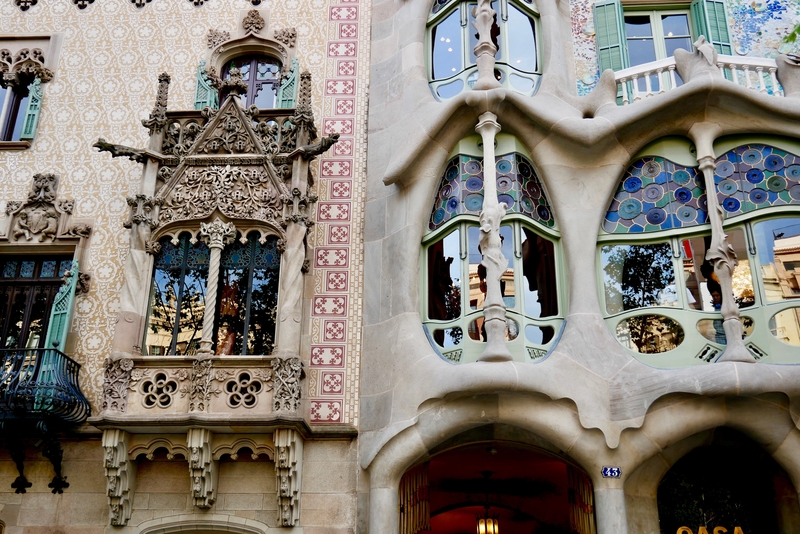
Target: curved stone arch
[[203, 523], [766, 419], [241, 443], [149, 448], [175, 229], [250, 44], [440, 422]]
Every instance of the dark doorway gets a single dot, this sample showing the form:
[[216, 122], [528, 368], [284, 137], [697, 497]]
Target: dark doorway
[[526, 489], [729, 482]]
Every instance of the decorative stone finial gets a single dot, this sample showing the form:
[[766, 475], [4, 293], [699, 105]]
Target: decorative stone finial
[[253, 22], [233, 85], [158, 117]]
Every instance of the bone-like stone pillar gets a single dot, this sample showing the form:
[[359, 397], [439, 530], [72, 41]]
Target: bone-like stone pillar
[[216, 234], [610, 513], [720, 253], [494, 309], [485, 50], [383, 506]]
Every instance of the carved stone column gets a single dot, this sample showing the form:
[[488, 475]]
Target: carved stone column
[[120, 476], [297, 220], [494, 309], [143, 218], [486, 49], [216, 234], [288, 471], [202, 467], [720, 253]]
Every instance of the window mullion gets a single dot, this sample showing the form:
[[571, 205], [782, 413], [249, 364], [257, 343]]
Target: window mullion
[[248, 300], [176, 327], [4, 110]]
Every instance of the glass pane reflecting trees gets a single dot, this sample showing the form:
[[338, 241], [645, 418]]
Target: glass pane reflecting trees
[[247, 297]]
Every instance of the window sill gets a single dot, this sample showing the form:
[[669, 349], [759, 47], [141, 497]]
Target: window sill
[[15, 145]]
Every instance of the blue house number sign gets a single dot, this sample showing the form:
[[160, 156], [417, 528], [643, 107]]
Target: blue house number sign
[[611, 472]]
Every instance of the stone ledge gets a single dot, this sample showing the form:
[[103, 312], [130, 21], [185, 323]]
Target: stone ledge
[[224, 423]]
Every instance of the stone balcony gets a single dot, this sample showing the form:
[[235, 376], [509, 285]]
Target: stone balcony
[[660, 76]]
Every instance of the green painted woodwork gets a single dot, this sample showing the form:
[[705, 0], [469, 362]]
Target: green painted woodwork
[[61, 313], [709, 20], [204, 95], [32, 111], [287, 92], [609, 26]]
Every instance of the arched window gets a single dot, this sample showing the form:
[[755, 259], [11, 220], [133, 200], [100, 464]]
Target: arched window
[[456, 287], [661, 296], [452, 39], [263, 77], [246, 298]]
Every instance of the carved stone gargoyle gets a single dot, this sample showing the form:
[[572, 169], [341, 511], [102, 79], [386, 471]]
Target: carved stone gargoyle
[[789, 74], [121, 151], [700, 62]]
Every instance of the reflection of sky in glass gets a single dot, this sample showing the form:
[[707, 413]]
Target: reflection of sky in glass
[[452, 250], [767, 231], [446, 37], [521, 41], [475, 257]]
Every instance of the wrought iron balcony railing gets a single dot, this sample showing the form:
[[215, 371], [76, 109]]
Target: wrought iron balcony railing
[[40, 383]]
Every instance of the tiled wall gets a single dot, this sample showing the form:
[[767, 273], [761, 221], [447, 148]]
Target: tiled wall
[[105, 83]]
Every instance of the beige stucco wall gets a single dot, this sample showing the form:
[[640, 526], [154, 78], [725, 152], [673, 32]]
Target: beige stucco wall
[[247, 490]]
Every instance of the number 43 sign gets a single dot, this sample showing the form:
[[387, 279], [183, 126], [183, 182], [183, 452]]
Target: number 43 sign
[[611, 472], [704, 530]]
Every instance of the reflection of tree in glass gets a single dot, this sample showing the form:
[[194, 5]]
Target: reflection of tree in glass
[[635, 277], [444, 294]]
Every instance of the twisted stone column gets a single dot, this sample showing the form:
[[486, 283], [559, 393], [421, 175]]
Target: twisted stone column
[[216, 235], [723, 258], [720, 253], [494, 309], [485, 50]]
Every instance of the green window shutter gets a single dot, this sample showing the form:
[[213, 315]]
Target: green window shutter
[[204, 94], [32, 111], [287, 92], [709, 20], [61, 313], [609, 26]]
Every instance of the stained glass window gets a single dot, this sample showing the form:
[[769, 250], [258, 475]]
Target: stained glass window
[[657, 194], [461, 190]]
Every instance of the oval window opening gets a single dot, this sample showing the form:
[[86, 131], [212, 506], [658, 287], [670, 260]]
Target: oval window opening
[[540, 335], [785, 326], [712, 330], [649, 334], [448, 337], [477, 331]]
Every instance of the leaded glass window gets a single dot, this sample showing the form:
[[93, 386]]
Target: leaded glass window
[[262, 75], [456, 280], [28, 286], [452, 39], [659, 290], [246, 299], [177, 298]]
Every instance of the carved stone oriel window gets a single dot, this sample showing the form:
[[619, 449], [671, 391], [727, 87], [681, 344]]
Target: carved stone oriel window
[[246, 300]]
